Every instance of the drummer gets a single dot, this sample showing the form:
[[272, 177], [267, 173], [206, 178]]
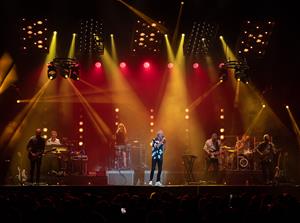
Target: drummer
[[243, 145], [121, 140]]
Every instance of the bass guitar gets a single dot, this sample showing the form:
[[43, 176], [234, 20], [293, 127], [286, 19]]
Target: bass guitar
[[34, 156]]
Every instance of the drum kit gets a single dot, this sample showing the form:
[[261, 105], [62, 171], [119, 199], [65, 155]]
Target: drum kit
[[234, 159], [130, 155]]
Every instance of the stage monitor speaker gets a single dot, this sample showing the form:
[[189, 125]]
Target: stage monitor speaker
[[120, 177]]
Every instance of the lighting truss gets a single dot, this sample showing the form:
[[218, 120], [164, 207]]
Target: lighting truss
[[146, 38], [34, 34], [255, 37], [240, 68], [66, 67], [91, 40], [200, 38]]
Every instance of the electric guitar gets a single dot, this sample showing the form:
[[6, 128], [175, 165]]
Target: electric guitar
[[213, 155], [22, 176], [157, 145], [34, 156], [267, 154]]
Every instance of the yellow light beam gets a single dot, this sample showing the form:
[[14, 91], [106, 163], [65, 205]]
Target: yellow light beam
[[102, 129], [229, 57], [14, 129], [212, 73], [254, 121], [113, 49], [294, 123], [177, 24], [198, 101], [170, 52], [10, 78], [6, 63], [173, 105], [51, 55], [8, 73], [146, 18], [227, 51], [237, 94], [71, 53], [132, 109], [96, 99]]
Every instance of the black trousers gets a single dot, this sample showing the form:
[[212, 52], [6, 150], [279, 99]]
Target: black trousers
[[36, 163], [267, 170], [159, 163], [214, 174]]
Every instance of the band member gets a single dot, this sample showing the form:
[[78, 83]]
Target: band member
[[53, 140], [267, 154], [212, 148], [243, 145], [158, 148], [36, 147], [121, 138]]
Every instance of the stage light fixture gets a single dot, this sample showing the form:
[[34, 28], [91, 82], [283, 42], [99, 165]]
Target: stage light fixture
[[74, 73], [66, 67], [239, 67], [52, 72]]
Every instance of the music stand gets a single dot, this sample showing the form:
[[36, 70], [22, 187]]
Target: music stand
[[188, 161]]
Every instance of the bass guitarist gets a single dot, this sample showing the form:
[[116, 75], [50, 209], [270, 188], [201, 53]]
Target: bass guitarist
[[267, 154], [35, 148], [212, 151]]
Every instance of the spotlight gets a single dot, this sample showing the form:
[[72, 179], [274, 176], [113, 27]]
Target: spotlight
[[223, 73], [240, 74], [287, 107], [65, 73], [195, 65], [98, 65], [75, 73], [122, 64], [146, 65], [52, 72], [170, 65]]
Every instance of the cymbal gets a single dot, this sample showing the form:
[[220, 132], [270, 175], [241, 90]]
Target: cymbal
[[231, 150], [226, 147]]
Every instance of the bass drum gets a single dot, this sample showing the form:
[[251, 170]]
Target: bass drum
[[243, 162]]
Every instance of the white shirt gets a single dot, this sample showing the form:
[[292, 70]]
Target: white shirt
[[50, 142], [210, 147]]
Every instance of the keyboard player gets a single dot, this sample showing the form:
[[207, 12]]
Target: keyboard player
[[53, 140]]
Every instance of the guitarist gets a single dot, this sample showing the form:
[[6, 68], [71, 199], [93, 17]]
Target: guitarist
[[212, 151], [158, 147], [35, 148], [267, 153]]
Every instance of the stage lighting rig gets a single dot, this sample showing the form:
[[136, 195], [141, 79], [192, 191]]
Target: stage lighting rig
[[66, 67], [239, 67]]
